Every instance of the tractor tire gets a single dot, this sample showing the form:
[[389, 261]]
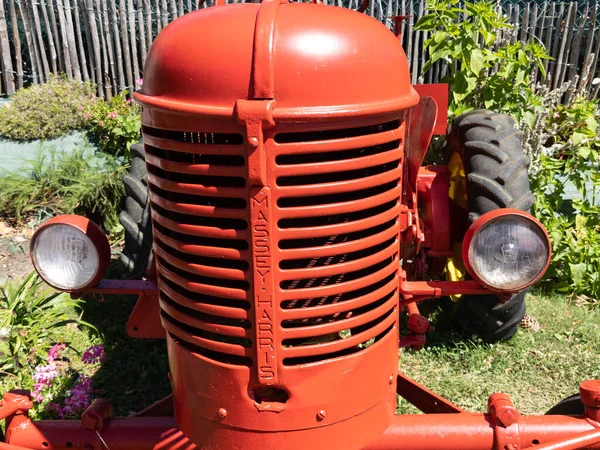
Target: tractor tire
[[570, 406], [495, 167], [135, 217]]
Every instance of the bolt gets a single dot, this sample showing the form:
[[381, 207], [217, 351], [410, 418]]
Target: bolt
[[509, 447], [222, 412], [391, 381], [321, 415], [507, 417], [253, 141]]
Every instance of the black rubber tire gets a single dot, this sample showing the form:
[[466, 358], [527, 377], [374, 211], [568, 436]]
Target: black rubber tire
[[496, 170], [135, 217], [570, 406]]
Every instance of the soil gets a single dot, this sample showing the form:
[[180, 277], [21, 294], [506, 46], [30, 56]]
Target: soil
[[14, 252]]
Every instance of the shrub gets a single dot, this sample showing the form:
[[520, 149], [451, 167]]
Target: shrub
[[76, 183], [569, 158], [47, 110], [115, 124], [485, 71]]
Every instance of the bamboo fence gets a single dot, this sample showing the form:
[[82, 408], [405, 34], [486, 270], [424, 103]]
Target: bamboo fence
[[106, 41]]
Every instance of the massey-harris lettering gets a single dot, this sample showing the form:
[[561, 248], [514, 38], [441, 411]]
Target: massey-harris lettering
[[263, 285]]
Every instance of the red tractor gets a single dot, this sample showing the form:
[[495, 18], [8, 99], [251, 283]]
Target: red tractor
[[291, 222]]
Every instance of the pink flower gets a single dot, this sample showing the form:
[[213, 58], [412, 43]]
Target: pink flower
[[86, 116], [139, 83], [112, 115], [129, 101], [94, 354], [77, 400], [56, 352]]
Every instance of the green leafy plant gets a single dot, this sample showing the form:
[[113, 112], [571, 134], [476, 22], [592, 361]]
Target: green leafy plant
[[47, 110], [76, 183], [484, 71], [568, 165], [115, 124], [32, 318]]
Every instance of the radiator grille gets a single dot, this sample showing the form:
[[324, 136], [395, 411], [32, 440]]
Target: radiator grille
[[337, 195], [338, 198], [198, 195]]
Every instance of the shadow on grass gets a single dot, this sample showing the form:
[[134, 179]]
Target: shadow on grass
[[134, 374]]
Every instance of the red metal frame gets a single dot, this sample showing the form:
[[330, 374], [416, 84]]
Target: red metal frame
[[444, 426], [89, 229]]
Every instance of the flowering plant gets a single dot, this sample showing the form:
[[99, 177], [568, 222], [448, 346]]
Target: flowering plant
[[114, 124], [58, 389]]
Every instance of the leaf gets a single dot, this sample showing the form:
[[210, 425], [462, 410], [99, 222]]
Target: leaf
[[529, 118], [427, 22], [578, 138], [591, 123], [584, 152], [577, 272], [476, 61]]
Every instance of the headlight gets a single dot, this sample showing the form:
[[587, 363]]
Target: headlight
[[70, 253], [506, 250]]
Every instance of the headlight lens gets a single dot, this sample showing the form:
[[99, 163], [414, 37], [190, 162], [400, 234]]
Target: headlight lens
[[509, 252], [70, 253]]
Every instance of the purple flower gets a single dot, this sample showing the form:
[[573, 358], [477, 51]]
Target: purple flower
[[43, 377], [94, 354], [56, 407], [112, 115], [79, 398]]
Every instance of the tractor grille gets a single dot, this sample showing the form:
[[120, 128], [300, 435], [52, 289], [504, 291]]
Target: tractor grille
[[197, 187], [336, 199]]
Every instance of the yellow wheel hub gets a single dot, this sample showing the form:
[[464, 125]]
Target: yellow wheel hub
[[457, 191]]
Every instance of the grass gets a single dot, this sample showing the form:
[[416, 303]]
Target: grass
[[537, 369]]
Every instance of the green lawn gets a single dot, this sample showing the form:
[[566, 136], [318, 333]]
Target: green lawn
[[537, 369]]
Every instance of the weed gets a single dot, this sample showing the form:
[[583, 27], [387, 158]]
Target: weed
[[89, 185], [32, 317]]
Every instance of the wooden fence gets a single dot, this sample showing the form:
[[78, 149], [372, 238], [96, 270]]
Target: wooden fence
[[106, 41]]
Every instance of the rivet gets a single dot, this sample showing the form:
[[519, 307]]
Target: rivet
[[391, 381], [321, 414], [222, 412], [253, 141]]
